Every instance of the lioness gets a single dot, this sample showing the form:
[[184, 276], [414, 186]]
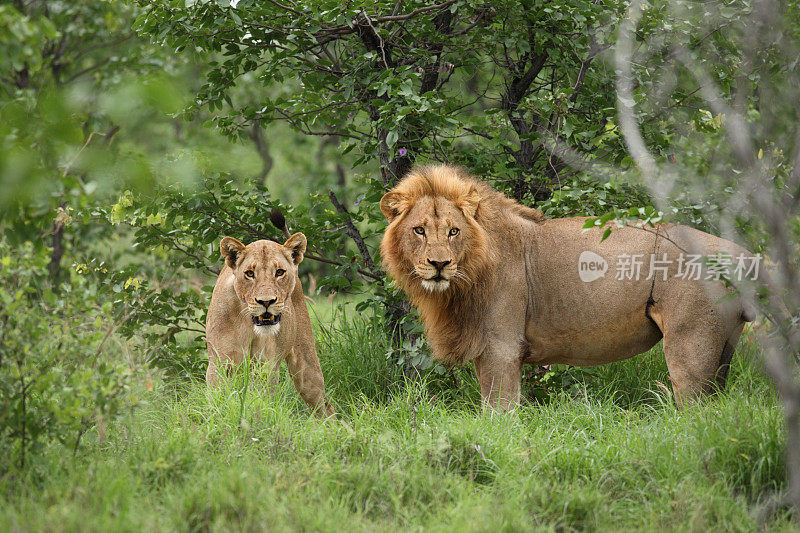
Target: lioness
[[258, 307], [497, 284]]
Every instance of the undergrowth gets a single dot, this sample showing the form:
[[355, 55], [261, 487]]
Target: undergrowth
[[603, 449]]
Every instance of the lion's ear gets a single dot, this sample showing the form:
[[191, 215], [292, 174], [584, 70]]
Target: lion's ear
[[297, 247], [230, 249], [469, 204], [391, 205]]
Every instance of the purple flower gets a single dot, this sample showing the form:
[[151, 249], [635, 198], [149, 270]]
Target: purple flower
[[402, 151]]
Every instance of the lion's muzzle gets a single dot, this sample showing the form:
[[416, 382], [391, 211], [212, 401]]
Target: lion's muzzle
[[436, 275]]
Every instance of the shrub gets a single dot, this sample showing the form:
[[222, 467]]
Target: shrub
[[55, 383]]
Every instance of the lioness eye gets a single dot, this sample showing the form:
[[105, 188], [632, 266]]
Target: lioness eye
[[249, 274], [453, 232], [280, 272], [419, 230]]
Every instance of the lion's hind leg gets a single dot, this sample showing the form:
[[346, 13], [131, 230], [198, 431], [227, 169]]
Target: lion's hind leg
[[698, 350], [701, 325], [725, 360]]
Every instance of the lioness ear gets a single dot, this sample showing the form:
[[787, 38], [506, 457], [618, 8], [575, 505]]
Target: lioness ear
[[469, 204], [297, 247], [230, 249], [391, 204]]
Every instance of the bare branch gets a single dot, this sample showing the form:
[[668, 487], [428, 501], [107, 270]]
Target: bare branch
[[625, 102], [393, 18], [353, 232], [756, 197]]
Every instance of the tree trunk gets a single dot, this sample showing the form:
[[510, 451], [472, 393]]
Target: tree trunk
[[54, 268], [256, 133]]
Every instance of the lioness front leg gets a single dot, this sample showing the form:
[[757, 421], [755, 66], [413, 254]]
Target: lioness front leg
[[499, 378], [211, 374], [215, 362], [303, 365]]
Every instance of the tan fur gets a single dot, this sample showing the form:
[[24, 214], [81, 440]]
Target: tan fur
[[231, 332], [510, 292]]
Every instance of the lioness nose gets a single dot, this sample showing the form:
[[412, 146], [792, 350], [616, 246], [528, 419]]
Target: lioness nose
[[266, 303], [439, 265]]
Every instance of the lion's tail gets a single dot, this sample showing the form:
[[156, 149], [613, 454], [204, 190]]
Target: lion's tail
[[279, 221]]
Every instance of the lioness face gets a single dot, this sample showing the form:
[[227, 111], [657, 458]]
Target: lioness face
[[265, 274], [433, 237]]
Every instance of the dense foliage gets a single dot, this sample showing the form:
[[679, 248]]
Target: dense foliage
[[55, 380], [432, 81]]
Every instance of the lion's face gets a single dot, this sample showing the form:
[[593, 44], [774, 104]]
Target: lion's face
[[432, 235], [265, 274]]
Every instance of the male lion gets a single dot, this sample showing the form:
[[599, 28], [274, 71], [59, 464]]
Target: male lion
[[258, 307], [498, 285]]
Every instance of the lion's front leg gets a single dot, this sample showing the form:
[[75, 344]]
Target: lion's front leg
[[211, 374], [303, 365], [499, 375], [216, 361]]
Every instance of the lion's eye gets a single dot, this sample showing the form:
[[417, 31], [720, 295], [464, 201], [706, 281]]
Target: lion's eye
[[453, 232], [249, 274], [280, 272], [419, 230]]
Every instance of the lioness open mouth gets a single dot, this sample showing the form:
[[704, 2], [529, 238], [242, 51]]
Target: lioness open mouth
[[266, 319]]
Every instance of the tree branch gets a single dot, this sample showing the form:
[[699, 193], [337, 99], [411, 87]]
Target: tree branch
[[353, 232]]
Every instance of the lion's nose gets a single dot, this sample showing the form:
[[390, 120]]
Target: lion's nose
[[266, 303], [439, 265]]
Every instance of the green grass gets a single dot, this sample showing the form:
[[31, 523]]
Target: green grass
[[608, 452]]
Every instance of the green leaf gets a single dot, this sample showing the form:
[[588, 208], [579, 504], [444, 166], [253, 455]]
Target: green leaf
[[391, 138]]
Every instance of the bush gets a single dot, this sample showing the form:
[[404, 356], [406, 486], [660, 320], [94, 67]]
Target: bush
[[55, 383]]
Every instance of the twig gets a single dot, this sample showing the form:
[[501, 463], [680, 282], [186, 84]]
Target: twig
[[595, 49], [172, 246], [75, 157], [363, 272], [353, 232], [111, 329], [377, 35], [279, 221], [474, 23], [414, 13], [286, 8], [87, 70]]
